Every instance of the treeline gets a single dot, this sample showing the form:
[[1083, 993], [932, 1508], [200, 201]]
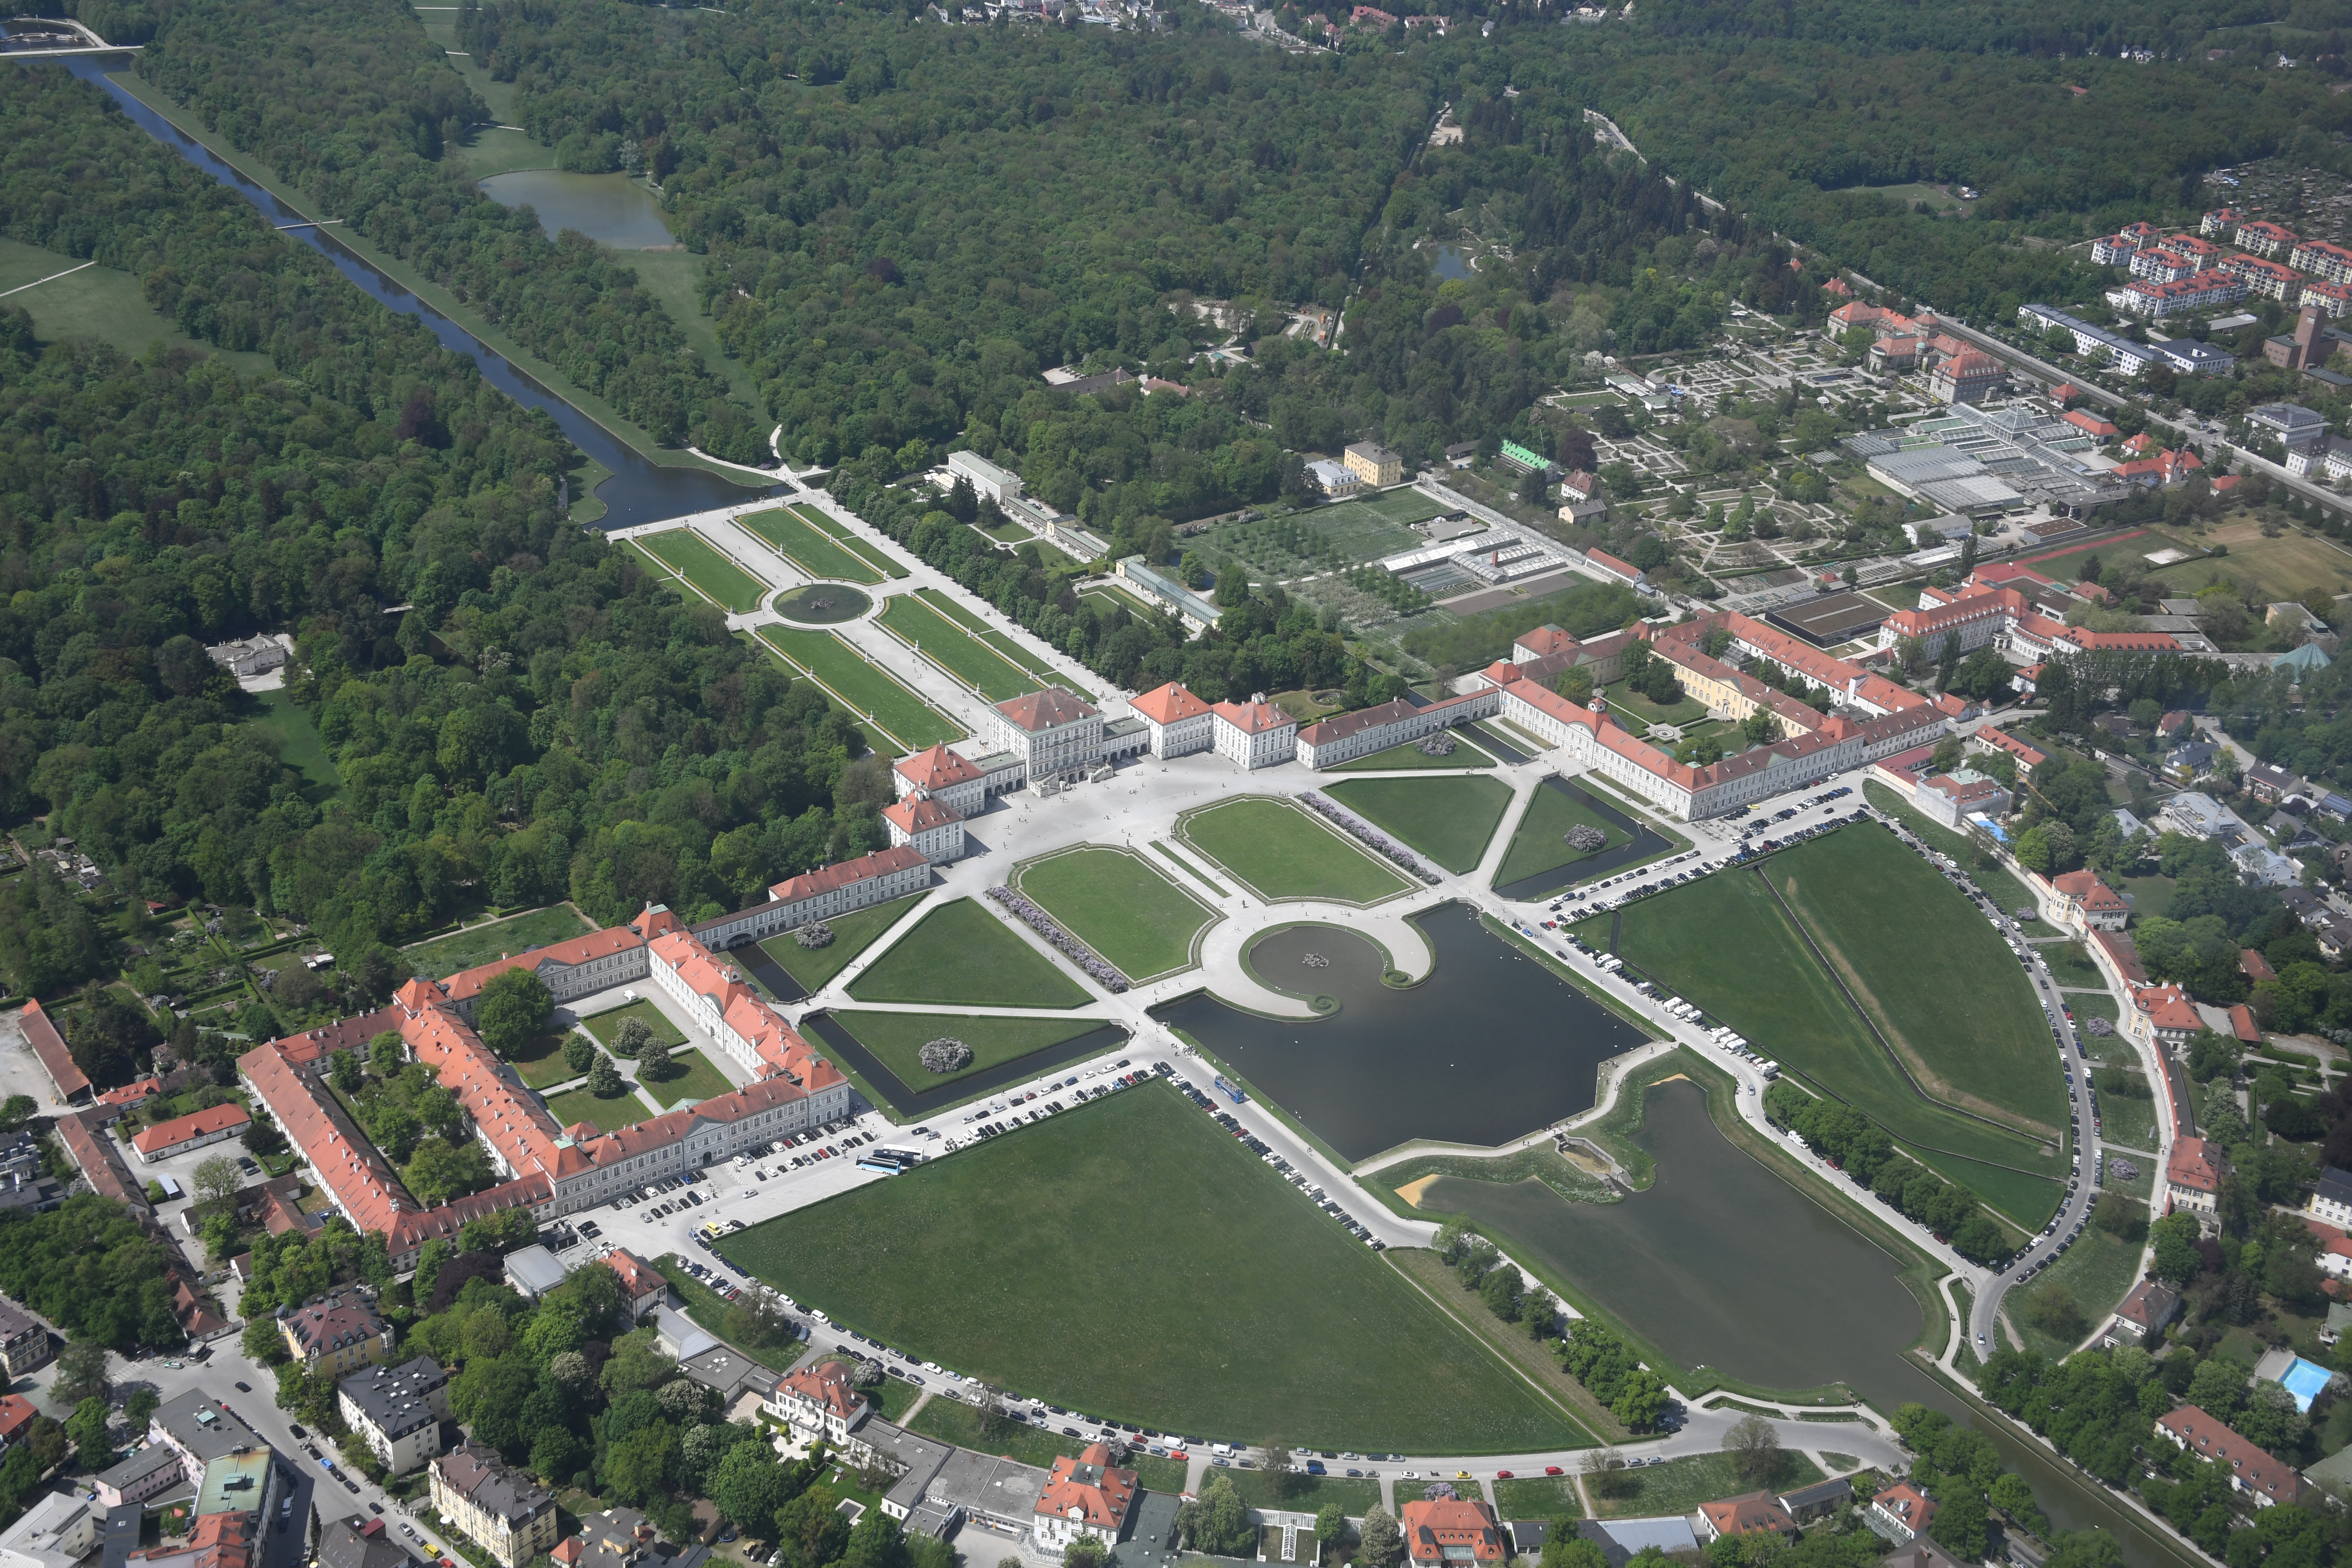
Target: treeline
[[1861, 1148], [351, 107], [1592, 1354]]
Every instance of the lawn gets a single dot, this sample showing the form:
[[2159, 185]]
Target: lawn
[[1773, 991], [2097, 1272], [544, 1065], [1302, 1494], [1449, 820], [445, 955], [101, 302], [1282, 852], [2085, 1004], [2129, 1120], [624, 1109], [811, 549], [1115, 903], [1540, 844], [2070, 964], [1999, 883], [691, 1078], [289, 726], [1040, 672], [897, 1039], [863, 686], [1539, 1497], [954, 649], [607, 1026], [853, 933], [707, 567], [1679, 1486], [1630, 705], [2150, 896], [1239, 1312], [950, 1420], [1942, 986], [846, 537], [1410, 756], [2286, 567], [960, 953]]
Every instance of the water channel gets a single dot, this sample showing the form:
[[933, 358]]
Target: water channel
[[639, 491], [1721, 1263], [909, 1104], [1645, 843], [1492, 1047], [611, 209]]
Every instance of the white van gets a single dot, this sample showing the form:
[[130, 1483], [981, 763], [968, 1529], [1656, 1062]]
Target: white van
[[1222, 1450], [172, 1189]]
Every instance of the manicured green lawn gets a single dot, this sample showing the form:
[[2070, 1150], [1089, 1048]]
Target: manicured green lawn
[[1114, 902], [445, 956], [1040, 672], [545, 1064], [1725, 944], [607, 1026], [2096, 1273], [693, 1077], [622, 1110], [1410, 756], [706, 567], [853, 933], [1540, 843], [2087, 1004], [1449, 820], [848, 539], [1238, 1312], [1679, 1486], [863, 686], [898, 1039], [954, 649], [2069, 964], [2128, 1120], [1281, 851], [1997, 881], [289, 726], [1303, 1494], [961, 953], [811, 549], [1940, 983], [1631, 706], [1541, 1497]]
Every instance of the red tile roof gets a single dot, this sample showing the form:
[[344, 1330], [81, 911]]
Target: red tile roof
[[1254, 717], [2168, 1008], [919, 814], [843, 873], [2001, 739], [16, 1413], [1087, 1492], [1046, 710], [1907, 1505], [827, 1385], [1433, 1525], [2085, 889], [2194, 1166], [2249, 1465], [2254, 966], [196, 1124], [1608, 563], [2242, 1025], [467, 984], [1753, 1514], [1545, 640], [936, 769], [1169, 704], [637, 1278], [50, 1047]]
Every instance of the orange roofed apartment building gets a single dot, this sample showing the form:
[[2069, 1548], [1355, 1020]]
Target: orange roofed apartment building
[[548, 1169], [1084, 1498], [1447, 1532]]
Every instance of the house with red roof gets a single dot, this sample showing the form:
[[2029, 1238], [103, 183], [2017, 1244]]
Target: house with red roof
[[2250, 1470], [1624, 571], [2092, 424], [195, 1131], [2085, 901], [947, 776], [819, 1403], [16, 1415], [2165, 469], [2193, 1176], [1754, 1513], [1178, 722], [72, 1084], [1255, 733], [2166, 1012], [642, 1286], [1082, 1499], [933, 828], [1452, 1532], [1902, 1511]]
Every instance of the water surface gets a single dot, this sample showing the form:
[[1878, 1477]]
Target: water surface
[[1645, 843], [611, 209], [1451, 262]]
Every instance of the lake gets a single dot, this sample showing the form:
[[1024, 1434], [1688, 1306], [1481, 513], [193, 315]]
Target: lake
[[1452, 262], [1491, 1047], [611, 209]]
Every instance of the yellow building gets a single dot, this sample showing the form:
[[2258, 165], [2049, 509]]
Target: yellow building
[[501, 1510], [1375, 464], [336, 1334]]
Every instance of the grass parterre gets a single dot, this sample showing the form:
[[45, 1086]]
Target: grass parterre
[[1281, 852], [1120, 906]]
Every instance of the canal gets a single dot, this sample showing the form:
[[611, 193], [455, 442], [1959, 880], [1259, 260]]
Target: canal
[[639, 491]]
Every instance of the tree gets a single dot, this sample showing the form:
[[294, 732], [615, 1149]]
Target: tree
[[653, 1061], [1538, 1312], [386, 1052], [513, 1011], [137, 1405], [603, 1077], [81, 1372], [579, 1052], [1608, 1474], [1960, 1522], [87, 1427], [1085, 1552], [1330, 1524], [262, 1138], [1755, 1448], [218, 1178], [749, 1486], [634, 1036], [1575, 683], [1382, 1543], [1500, 1290], [344, 1071]]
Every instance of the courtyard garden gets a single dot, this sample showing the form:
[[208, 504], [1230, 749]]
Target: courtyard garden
[[1449, 820], [961, 953], [853, 933], [1281, 852], [897, 1040], [622, 1110], [1115, 903], [1238, 1312], [1410, 758], [687, 1076], [605, 1026]]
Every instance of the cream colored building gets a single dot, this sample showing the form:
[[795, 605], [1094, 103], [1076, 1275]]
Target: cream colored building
[[501, 1510], [1374, 463]]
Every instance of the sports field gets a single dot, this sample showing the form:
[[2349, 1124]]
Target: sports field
[[2286, 567], [1236, 1312], [960, 953], [682, 552], [1040, 672], [445, 956], [955, 650], [808, 547], [896, 1039], [853, 933], [863, 687], [1727, 943], [1409, 757], [1540, 843], [1117, 905], [1280, 851], [848, 539], [1449, 820]]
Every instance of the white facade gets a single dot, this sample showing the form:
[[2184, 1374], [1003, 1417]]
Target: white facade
[[58, 1531], [819, 895], [1255, 733], [934, 830], [1182, 738], [999, 485], [1055, 735]]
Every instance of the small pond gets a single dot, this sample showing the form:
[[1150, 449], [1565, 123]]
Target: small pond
[[611, 209], [821, 604], [1452, 262], [1492, 1046]]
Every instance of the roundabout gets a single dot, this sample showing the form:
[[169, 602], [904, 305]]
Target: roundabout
[[821, 603]]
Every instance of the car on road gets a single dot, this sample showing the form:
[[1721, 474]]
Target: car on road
[[1552, 1470], [245, 1388], [1503, 1475]]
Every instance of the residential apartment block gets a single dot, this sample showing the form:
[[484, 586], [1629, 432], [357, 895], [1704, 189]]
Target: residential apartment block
[[336, 1335], [398, 1410], [499, 1510]]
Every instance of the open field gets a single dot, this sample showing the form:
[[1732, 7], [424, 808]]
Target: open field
[[605, 1026], [863, 686], [1040, 672], [897, 1039], [1539, 844], [808, 547], [2128, 1120], [1679, 1486], [2070, 963], [99, 302], [1539, 1497], [847, 538], [445, 956], [1281, 851], [624, 1109], [1938, 201], [1115, 903], [290, 726], [1942, 986], [960, 953], [2084, 1005], [1410, 756], [853, 933], [972, 663], [992, 1247], [2286, 567], [1999, 884], [674, 278], [691, 1078], [1449, 820], [685, 553], [1773, 991]]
